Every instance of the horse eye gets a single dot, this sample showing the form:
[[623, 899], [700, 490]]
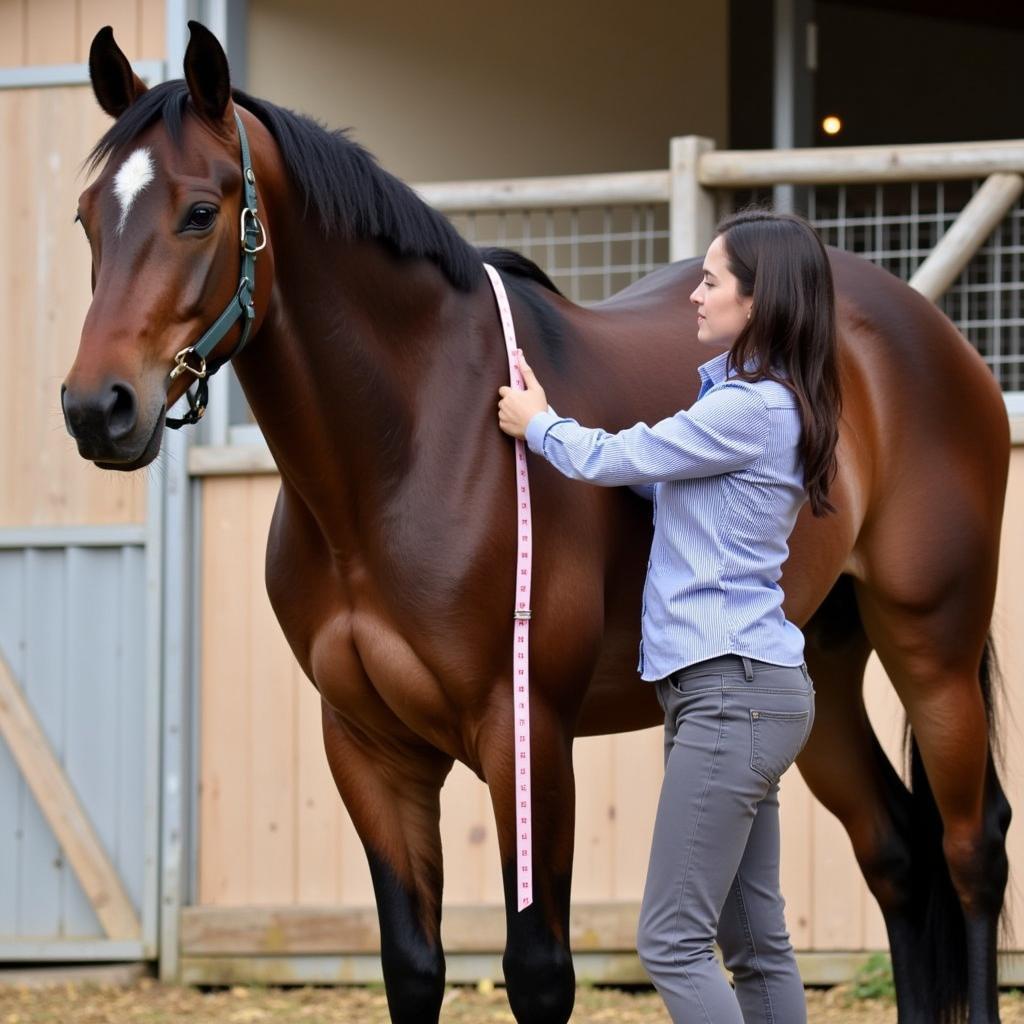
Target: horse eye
[[78, 220], [201, 217]]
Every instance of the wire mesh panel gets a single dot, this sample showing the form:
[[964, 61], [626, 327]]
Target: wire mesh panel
[[897, 225], [589, 252]]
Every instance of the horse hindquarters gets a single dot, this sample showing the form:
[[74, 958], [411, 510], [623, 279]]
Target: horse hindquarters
[[392, 794], [539, 974]]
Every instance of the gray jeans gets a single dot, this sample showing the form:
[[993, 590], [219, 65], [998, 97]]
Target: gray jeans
[[732, 727]]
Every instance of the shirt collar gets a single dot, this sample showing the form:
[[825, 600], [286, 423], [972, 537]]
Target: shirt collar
[[713, 371]]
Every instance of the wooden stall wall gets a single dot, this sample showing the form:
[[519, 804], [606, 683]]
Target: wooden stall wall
[[273, 832], [36, 32], [78, 755], [45, 134]]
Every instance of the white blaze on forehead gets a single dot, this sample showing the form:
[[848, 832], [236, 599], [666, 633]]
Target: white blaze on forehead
[[132, 177]]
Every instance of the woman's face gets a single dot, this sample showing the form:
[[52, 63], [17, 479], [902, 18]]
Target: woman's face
[[721, 311]]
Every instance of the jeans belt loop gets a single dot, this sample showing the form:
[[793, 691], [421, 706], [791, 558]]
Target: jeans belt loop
[[803, 668], [748, 669]]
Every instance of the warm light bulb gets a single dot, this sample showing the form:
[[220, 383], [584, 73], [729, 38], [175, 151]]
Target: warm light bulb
[[832, 125]]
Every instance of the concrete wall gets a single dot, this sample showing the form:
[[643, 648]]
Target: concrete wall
[[446, 91]]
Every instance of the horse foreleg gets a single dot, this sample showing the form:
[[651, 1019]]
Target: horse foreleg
[[392, 793], [539, 973]]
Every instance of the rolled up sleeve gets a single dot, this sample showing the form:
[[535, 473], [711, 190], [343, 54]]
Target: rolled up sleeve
[[725, 431]]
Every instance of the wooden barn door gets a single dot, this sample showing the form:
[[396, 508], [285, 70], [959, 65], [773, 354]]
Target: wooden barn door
[[79, 549]]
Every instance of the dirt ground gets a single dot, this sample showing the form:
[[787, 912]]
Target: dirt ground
[[150, 1003]]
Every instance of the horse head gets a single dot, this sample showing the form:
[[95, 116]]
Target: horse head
[[163, 223]]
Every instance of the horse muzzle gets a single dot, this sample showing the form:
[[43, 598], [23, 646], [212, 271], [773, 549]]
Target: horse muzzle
[[107, 426]]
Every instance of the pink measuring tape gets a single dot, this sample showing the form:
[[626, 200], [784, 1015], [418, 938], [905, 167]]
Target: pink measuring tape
[[521, 633]]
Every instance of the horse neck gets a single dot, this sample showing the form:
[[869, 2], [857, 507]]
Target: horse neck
[[359, 354]]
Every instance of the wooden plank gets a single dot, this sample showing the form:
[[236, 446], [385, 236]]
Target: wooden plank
[[837, 888], [230, 460], [886, 715], [318, 806], [28, 950], [797, 868], [593, 866], [637, 775], [152, 32], [268, 702], [31, 977], [50, 32], [255, 931], [224, 807], [692, 206], [12, 786], [44, 291], [12, 33], [121, 15], [64, 813], [530, 193], [468, 835], [816, 968], [44, 880], [132, 741], [354, 870], [89, 749], [851, 164]]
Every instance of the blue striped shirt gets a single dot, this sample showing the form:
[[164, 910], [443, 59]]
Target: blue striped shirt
[[726, 479]]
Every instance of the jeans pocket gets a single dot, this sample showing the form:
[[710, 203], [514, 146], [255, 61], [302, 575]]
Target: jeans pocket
[[776, 737], [682, 685]]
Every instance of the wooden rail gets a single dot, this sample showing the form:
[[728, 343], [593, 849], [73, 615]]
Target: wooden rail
[[694, 157], [967, 234]]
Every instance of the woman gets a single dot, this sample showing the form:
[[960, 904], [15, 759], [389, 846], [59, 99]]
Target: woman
[[728, 477]]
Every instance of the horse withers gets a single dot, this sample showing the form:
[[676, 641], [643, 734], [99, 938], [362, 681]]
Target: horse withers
[[374, 358]]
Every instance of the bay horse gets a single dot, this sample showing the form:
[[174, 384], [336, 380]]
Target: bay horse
[[373, 364]]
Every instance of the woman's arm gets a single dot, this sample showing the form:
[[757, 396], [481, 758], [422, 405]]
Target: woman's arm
[[725, 431]]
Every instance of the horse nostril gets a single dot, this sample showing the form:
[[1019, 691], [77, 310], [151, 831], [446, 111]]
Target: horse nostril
[[122, 414]]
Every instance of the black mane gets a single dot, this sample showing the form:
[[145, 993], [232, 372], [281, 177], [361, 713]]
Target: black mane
[[341, 184]]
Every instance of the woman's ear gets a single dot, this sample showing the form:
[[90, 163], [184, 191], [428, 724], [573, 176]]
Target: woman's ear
[[207, 74], [114, 84]]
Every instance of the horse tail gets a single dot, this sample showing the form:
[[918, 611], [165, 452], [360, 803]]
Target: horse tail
[[943, 966]]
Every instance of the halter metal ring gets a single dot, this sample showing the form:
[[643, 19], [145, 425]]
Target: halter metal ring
[[248, 211], [181, 364]]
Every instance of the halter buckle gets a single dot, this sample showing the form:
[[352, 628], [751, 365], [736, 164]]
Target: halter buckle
[[256, 227], [181, 364]]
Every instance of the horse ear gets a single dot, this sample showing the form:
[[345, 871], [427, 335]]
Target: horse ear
[[114, 83], [206, 72]]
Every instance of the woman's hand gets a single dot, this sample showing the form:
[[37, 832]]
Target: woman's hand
[[516, 408]]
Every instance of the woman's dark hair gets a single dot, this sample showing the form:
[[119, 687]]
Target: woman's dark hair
[[778, 259]]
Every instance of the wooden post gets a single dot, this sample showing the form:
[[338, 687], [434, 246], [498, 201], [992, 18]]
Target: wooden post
[[967, 234], [64, 813], [691, 206]]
